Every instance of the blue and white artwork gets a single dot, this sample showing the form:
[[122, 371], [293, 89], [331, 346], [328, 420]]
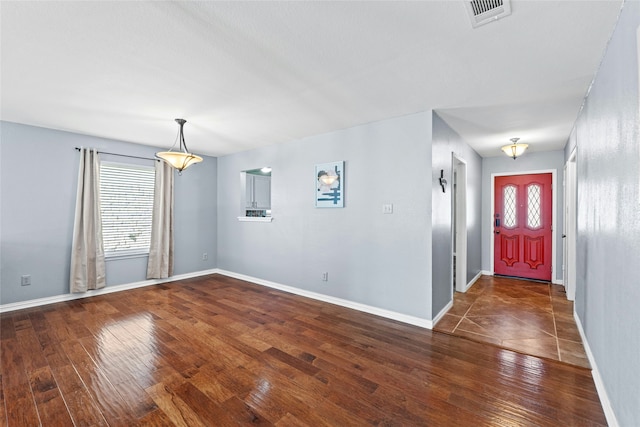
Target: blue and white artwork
[[330, 185]]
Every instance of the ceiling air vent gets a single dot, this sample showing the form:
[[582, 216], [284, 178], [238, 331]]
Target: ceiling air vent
[[484, 11]]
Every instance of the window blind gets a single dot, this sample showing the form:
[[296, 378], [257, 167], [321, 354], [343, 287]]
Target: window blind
[[126, 204]]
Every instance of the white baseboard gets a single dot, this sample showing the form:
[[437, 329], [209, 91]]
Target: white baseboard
[[106, 290], [487, 272], [612, 421], [442, 313], [412, 320], [557, 282], [473, 281]]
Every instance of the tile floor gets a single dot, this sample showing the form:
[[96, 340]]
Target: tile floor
[[525, 316]]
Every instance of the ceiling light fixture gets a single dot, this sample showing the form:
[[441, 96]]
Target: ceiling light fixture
[[329, 179], [182, 159], [514, 150]]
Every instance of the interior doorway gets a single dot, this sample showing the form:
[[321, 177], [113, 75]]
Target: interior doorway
[[459, 224], [569, 232]]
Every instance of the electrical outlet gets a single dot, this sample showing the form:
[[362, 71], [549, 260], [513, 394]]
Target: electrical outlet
[[205, 256], [387, 208], [325, 276], [25, 280]]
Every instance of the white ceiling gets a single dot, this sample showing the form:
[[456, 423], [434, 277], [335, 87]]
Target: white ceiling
[[249, 74]]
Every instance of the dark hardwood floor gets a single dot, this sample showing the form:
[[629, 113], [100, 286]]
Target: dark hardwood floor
[[216, 351]]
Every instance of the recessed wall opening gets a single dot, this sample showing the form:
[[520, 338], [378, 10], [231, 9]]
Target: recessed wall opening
[[255, 193]]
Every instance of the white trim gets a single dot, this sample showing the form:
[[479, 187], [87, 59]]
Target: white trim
[[412, 320], [597, 379], [554, 208], [487, 272], [557, 282], [106, 290], [459, 220], [473, 281], [442, 313], [569, 244], [255, 219]]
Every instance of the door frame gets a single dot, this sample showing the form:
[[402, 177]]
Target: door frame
[[554, 194], [459, 223], [569, 244]]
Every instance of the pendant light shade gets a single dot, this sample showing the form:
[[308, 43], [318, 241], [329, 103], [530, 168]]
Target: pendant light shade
[[182, 159], [514, 150]]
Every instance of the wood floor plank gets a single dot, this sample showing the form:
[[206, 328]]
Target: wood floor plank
[[111, 405], [139, 403], [51, 407], [82, 408], [32, 356], [219, 351], [156, 418], [290, 420], [3, 409], [207, 382], [242, 413], [210, 413], [174, 408], [7, 327], [20, 406]]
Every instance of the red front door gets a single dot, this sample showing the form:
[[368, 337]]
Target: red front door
[[522, 226]]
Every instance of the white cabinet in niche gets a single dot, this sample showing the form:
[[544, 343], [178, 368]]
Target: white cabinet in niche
[[255, 195], [258, 190]]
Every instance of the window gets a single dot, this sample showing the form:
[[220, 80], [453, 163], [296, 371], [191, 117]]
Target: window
[[534, 206], [510, 207], [126, 204]]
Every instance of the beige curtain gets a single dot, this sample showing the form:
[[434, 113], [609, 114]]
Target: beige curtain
[[87, 252], [160, 264]]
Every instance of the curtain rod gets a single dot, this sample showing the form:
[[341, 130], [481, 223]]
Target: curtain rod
[[123, 155]]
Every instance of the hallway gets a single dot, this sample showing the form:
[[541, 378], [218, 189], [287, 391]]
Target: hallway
[[528, 317]]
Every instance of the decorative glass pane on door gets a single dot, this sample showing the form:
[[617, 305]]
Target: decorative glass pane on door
[[509, 208], [534, 206]]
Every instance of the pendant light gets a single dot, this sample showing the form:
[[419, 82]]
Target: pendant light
[[328, 179], [182, 159], [514, 150]]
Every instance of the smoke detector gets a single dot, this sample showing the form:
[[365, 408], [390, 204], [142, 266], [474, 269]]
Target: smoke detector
[[485, 11]]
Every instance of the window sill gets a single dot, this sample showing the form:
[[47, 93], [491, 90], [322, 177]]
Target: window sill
[[126, 256], [255, 219]]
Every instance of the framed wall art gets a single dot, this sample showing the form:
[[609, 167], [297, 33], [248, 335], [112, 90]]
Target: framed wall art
[[330, 185]]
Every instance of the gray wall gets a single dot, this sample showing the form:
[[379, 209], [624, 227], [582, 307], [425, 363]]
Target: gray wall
[[530, 161], [382, 260], [445, 142], [38, 171], [608, 223]]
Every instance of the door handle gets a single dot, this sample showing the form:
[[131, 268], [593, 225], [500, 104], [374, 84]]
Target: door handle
[[497, 231]]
